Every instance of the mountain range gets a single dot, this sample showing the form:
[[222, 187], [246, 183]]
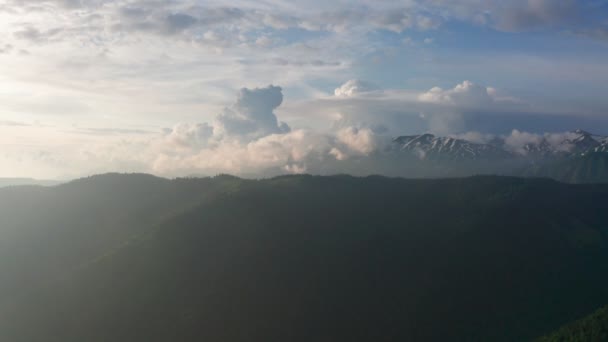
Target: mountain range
[[577, 157], [573, 157], [575, 143], [300, 258]]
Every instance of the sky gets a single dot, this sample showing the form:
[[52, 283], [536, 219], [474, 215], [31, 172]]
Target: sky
[[185, 87]]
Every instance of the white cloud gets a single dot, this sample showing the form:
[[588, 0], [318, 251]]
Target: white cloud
[[252, 116], [523, 142], [465, 93], [361, 141], [520, 142], [354, 88], [272, 154], [246, 139], [184, 135]]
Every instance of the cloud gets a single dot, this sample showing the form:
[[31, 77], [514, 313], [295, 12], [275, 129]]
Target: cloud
[[252, 115], [520, 142], [514, 15], [13, 123], [354, 88], [179, 22], [534, 14], [247, 139], [271, 154], [62, 3], [465, 93], [185, 135], [361, 141], [448, 109], [7, 48], [251, 141], [525, 143], [34, 35], [466, 106], [249, 118]]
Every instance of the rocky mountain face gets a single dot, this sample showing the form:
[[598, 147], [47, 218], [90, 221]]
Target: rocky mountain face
[[429, 146], [577, 156]]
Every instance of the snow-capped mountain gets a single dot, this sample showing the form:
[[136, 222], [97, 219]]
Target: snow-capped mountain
[[601, 146], [577, 142], [431, 147], [428, 146]]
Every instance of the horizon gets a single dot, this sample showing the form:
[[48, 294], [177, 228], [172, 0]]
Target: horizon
[[488, 141]]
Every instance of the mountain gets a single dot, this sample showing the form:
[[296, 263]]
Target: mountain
[[592, 167], [593, 327], [300, 258], [574, 143], [577, 156], [428, 146]]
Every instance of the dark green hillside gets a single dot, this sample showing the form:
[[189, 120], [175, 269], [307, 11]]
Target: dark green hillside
[[47, 233], [308, 259], [592, 328], [590, 168]]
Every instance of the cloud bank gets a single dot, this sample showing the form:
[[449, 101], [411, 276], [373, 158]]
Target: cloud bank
[[247, 138]]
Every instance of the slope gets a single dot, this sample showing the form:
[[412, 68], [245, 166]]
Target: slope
[[589, 168], [592, 328], [341, 258]]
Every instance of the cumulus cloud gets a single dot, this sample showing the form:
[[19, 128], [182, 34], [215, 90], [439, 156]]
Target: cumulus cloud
[[521, 142], [252, 116], [525, 143], [271, 154], [185, 135], [446, 110], [354, 88], [465, 93], [247, 139], [250, 141], [362, 141], [465, 107]]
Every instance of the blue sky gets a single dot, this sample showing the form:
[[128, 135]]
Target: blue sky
[[156, 86]]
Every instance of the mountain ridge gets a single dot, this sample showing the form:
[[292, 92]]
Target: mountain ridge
[[579, 142]]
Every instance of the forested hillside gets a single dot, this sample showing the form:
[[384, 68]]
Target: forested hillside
[[300, 258], [592, 328]]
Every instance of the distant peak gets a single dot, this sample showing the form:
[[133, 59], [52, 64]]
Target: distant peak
[[582, 132]]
